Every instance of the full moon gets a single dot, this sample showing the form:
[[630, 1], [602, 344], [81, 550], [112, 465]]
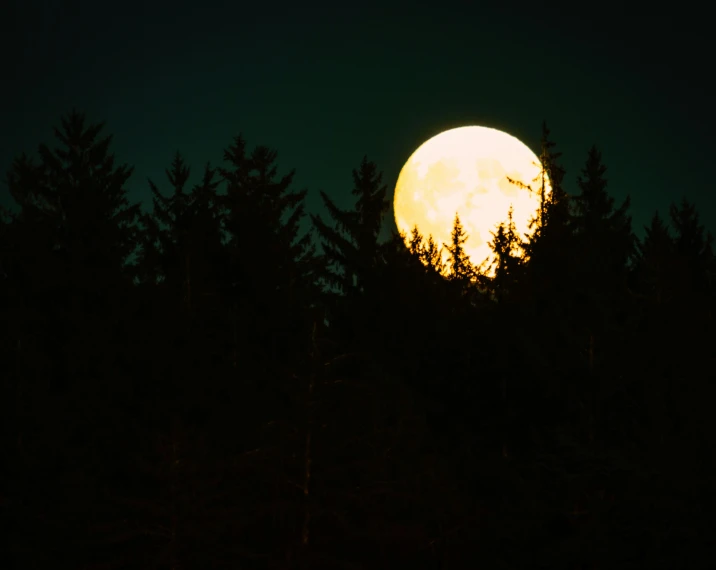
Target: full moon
[[466, 171]]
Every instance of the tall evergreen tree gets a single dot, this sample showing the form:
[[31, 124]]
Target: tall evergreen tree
[[603, 235], [72, 236], [509, 259], [547, 246], [271, 266], [461, 270], [181, 245], [604, 245], [263, 221], [548, 183], [162, 228], [549, 281], [74, 231], [605, 231], [75, 202], [427, 252], [654, 267], [350, 245], [693, 246], [555, 172]]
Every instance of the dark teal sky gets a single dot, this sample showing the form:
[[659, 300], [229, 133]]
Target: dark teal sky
[[325, 83]]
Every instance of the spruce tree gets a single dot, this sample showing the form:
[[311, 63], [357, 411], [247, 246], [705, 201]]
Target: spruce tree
[[548, 245], [509, 260], [460, 269], [75, 231], [162, 231], [181, 245], [426, 251], [599, 226], [693, 247], [72, 235], [350, 245], [603, 238], [271, 268], [654, 267], [604, 245], [75, 200]]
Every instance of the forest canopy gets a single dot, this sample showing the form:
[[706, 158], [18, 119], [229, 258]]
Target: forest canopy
[[225, 380]]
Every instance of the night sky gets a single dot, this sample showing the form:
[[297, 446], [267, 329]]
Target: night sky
[[326, 83]]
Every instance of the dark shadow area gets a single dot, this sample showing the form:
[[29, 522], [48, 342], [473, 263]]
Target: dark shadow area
[[203, 385]]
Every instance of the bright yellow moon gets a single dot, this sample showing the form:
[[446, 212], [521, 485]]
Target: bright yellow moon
[[465, 171]]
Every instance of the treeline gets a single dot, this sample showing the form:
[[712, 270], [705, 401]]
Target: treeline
[[205, 385]]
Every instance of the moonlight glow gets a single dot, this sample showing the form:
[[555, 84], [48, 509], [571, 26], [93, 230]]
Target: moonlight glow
[[466, 171]]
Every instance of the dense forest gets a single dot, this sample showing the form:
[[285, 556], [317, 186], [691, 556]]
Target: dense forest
[[227, 381]]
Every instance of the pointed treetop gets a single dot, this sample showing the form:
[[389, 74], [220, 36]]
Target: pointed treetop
[[691, 236], [458, 260], [370, 191], [594, 206], [351, 246], [179, 173]]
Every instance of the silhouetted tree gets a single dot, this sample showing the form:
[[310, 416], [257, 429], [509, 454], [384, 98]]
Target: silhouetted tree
[[351, 249], [549, 282], [604, 245], [272, 268], [181, 245], [460, 269], [602, 232], [428, 252], [509, 259], [75, 198], [603, 239], [654, 267], [178, 269], [73, 233], [162, 229], [353, 260], [693, 246], [549, 245]]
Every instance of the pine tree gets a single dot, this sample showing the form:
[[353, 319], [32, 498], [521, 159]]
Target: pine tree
[[181, 245], [655, 268], [272, 271], [415, 242], [604, 245], [162, 229], [427, 252], [350, 245], [75, 201], [509, 261], [603, 235], [74, 233], [693, 246], [206, 255], [460, 268], [72, 236], [548, 245], [263, 222], [554, 202], [596, 217]]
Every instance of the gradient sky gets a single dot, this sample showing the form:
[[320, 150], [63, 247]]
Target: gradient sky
[[326, 82]]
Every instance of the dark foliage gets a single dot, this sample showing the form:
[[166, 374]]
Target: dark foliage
[[193, 387]]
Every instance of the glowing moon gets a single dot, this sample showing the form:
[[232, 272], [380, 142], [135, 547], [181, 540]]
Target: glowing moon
[[465, 171]]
